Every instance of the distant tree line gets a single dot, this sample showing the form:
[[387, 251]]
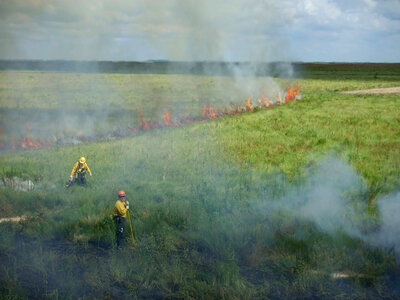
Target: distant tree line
[[273, 69], [153, 67]]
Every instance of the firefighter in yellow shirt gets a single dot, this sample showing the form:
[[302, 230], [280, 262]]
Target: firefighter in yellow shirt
[[78, 172], [120, 209]]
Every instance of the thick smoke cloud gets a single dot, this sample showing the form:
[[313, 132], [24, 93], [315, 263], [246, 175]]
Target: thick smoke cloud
[[326, 198], [333, 198], [389, 233]]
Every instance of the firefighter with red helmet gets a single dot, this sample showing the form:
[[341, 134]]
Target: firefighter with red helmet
[[120, 210]]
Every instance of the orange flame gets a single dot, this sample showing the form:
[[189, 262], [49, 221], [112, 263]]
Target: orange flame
[[213, 113], [27, 143], [249, 106], [292, 92], [208, 112], [204, 112], [143, 123], [264, 101], [167, 117]]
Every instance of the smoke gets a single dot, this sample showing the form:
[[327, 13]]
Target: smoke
[[224, 32], [333, 197], [190, 31], [326, 198], [388, 235], [214, 30], [46, 105], [146, 30]]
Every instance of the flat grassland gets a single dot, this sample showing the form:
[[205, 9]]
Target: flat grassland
[[282, 202]]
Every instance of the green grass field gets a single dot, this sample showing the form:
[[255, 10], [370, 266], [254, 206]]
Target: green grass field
[[285, 202]]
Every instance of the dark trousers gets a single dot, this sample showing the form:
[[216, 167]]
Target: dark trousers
[[120, 230], [80, 180]]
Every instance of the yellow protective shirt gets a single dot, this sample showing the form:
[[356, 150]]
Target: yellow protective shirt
[[120, 209], [78, 167]]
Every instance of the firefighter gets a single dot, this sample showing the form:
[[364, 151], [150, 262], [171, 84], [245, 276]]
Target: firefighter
[[78, 172], [120, 209]]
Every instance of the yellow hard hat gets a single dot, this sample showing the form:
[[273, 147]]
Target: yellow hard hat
[[82, 160]]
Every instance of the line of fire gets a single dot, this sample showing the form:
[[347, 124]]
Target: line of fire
[[208, 112]]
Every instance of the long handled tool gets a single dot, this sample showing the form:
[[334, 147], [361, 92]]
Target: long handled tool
[[130, 225]]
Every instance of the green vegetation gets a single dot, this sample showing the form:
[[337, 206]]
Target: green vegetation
[[362, 129], [220, 207]]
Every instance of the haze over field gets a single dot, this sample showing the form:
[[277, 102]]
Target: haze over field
[[246, 179], [269, 30]]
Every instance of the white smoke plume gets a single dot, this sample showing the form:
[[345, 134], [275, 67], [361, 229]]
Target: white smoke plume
[[333, 198], [388, 235]]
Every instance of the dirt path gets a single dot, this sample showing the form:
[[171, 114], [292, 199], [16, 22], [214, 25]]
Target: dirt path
[[12, 219], [391, 90]]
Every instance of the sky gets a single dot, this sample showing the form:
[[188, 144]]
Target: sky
[[206, 30]]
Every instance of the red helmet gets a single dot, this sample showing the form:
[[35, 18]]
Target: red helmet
[[121, 194]]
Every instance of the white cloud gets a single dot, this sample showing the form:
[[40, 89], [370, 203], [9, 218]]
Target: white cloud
[[321, 10], [189, 29], [370, 3]]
